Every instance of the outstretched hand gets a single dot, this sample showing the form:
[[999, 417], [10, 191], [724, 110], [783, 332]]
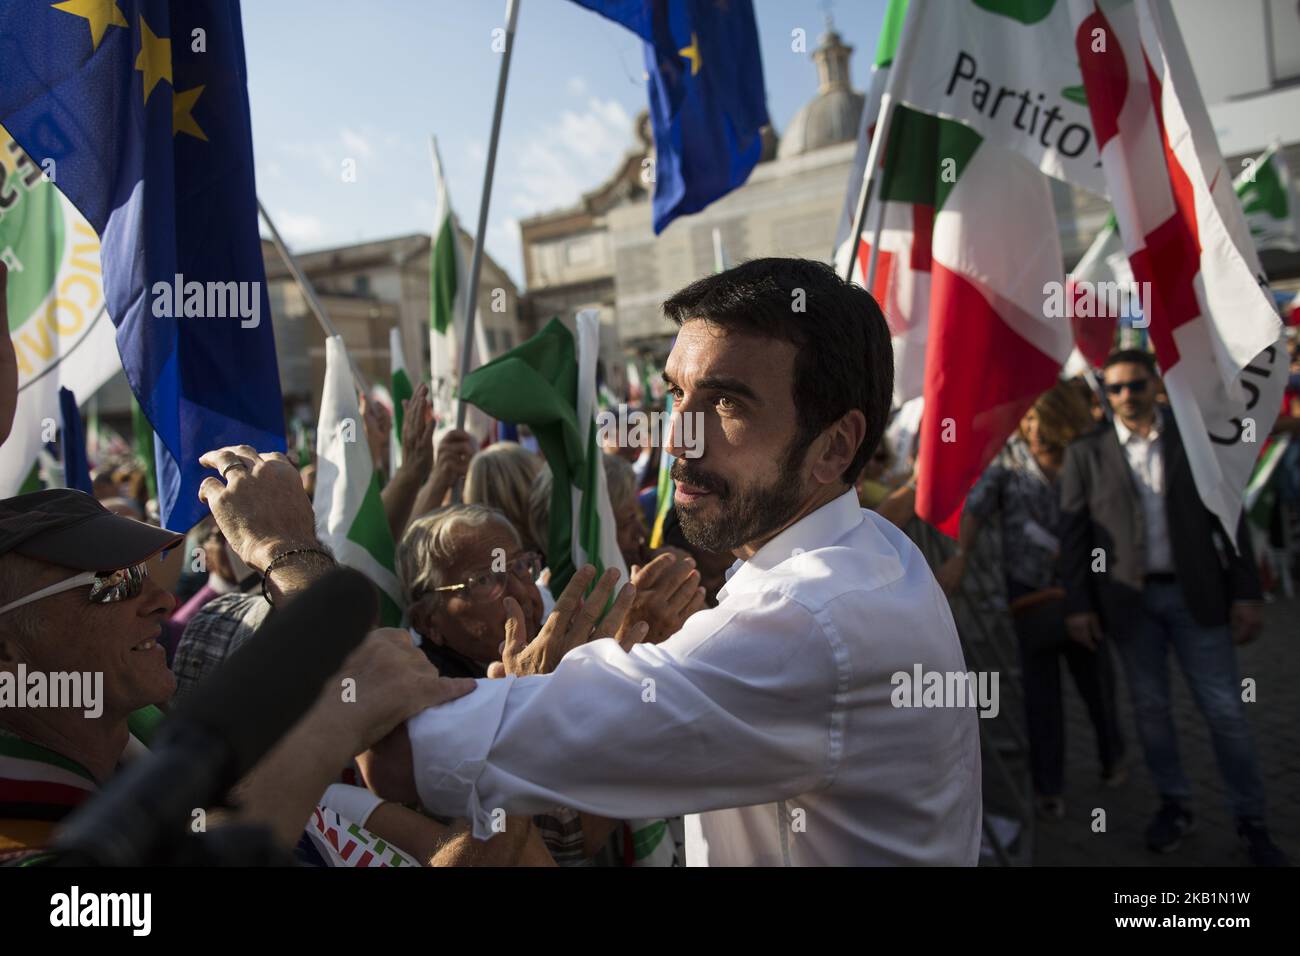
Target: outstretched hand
[[574, 621]]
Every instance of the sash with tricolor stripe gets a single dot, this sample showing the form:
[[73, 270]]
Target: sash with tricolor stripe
[[38, 788]]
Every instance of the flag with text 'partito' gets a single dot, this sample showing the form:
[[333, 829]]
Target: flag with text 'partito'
[[350, 516]]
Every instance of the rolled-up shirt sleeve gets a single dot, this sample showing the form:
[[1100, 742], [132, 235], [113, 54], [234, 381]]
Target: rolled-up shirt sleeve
[[743, 706]]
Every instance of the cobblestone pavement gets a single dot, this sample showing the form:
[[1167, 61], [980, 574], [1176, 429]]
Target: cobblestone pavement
[[1273, 660]]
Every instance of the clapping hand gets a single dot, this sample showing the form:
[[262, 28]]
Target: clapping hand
[[572, 622]]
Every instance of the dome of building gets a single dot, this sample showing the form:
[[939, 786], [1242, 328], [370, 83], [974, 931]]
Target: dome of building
[[831, 116]]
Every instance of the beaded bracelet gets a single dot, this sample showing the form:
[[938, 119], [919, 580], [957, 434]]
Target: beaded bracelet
[[279, 559]]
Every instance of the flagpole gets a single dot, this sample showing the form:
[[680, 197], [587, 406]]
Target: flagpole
[[476, 263], [902, 61], [309, 293]]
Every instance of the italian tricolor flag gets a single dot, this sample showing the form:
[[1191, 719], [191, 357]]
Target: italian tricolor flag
[[549, 384], [991, 97], [350, 516]]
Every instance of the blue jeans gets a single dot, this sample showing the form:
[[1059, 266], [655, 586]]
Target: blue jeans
[[1209, 663]]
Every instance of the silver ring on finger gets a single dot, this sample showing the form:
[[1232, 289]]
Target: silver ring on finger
[[231, 467]]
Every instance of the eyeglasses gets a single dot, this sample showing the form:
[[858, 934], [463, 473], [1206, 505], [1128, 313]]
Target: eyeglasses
[[488, 586], [1138, 386], [105, 587]]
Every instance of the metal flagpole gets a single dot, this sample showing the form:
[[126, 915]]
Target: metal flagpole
[[476, 263], [309, 293]]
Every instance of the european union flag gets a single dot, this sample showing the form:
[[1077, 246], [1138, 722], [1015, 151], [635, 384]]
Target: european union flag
[[138, 111], [707, 99]]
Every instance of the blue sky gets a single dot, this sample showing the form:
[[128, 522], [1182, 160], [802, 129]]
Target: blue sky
[[331, 80]]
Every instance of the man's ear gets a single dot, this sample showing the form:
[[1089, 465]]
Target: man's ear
[[422, 615], [839, 444]]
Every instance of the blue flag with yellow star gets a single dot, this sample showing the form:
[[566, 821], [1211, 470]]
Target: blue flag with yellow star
[[138, 112], [708, 104]]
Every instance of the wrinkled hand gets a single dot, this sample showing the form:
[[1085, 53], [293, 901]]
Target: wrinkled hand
[[417, 432], [1245, 621], [8, 362], [572, 622], [393, 682], [667, 593], [451, 462], [260, 506], [1084, 629]]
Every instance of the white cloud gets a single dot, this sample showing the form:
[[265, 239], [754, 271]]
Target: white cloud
[[355, 143], [569, 156], [301, 231]]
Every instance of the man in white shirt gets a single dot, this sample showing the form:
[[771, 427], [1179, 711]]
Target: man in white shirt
[[1170, 579], [774, 719]]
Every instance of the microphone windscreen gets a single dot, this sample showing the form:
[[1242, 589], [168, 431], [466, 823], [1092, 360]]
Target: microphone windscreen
[[267, 685]]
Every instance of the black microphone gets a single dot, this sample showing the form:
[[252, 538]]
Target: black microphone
[[220, 731]]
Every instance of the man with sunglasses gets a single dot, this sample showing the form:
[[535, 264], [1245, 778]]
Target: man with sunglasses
[[1144, 561], [76, 596]]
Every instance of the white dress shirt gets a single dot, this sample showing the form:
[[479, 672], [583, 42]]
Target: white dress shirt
[[1146, 460], [767, 718]]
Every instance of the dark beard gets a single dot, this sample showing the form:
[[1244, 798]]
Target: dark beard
[[747, 515]]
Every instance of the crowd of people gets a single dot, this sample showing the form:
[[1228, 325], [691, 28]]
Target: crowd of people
[[88, 584]]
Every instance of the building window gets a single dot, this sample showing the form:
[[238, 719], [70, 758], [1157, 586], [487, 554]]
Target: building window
[[1284, 36], [491, 336], [579, 252], [361, 285]]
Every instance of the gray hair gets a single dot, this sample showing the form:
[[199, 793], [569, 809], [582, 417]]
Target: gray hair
[[19, 576], [429, 545], [501, 476]]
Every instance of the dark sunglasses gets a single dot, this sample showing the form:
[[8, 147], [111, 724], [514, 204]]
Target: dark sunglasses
[[1138, 386]]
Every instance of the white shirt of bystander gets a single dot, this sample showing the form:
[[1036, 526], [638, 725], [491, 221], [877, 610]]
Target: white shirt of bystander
[[1146, 460], [770, 718]]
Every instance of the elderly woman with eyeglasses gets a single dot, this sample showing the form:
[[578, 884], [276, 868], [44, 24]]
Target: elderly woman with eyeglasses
[[457, 566], [460, 566]]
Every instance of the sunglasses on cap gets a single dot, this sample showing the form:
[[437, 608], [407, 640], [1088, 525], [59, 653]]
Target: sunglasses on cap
[[1138, 386], [106, 587]]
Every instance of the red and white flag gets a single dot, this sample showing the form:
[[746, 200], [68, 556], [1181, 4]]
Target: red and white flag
[[1212, 322], [969, 273]]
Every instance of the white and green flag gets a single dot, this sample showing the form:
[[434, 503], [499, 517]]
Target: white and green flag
[[448, 280], [549, 384], [1269, 200], [61, 331], [401, 389], [350, 516]]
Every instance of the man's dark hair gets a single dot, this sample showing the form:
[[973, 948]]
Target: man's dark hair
[[844, 358], [1134, 357]]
